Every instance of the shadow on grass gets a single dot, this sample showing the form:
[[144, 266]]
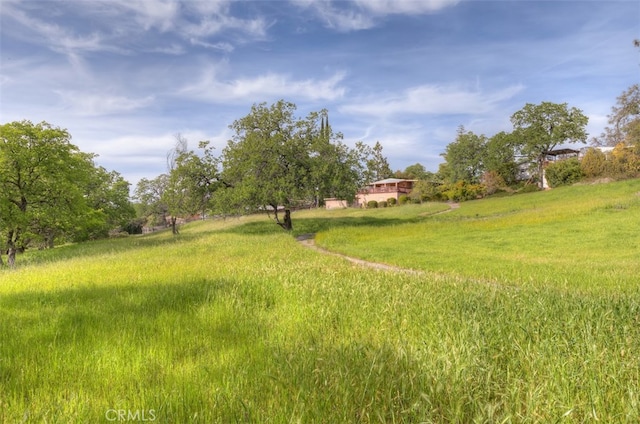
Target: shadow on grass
[[107, 246], [316, 225], [125, 342]]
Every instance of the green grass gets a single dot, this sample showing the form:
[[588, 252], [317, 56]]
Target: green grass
[[234, 321]]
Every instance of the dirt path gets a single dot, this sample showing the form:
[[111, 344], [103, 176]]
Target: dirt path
[[307, 240]]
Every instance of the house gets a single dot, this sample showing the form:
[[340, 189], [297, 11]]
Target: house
[[383, 190]]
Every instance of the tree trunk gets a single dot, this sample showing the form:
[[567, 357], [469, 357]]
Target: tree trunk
[[11, 257], [174, 226], [286, 224]]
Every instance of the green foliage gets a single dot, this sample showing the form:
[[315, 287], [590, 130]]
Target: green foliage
[[493, 182], [563, 172], [416, 171], [625, 162], [392, 201], [292, 334], [540, 128], [403, 199], [192, 181], [382, 204], [461, 190], [53, 191], [499, 158], [377, 164], [624, 120], [593, 163], [464, 157], [275, 159], [372, 204]]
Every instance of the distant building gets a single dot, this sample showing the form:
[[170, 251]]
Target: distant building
[[556, 155], [334, 203], [383, 190]]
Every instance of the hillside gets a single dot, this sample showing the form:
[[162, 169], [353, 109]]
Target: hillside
[[526, 309]]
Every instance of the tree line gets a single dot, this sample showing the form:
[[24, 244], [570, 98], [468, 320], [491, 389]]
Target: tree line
[[476, 165], [276, 162]]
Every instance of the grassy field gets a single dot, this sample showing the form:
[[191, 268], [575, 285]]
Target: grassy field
[[524, 309]]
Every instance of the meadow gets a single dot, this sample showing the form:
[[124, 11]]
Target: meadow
[[517, 309]]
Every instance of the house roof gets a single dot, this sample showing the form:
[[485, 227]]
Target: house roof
[[558, 152], [390, 181]]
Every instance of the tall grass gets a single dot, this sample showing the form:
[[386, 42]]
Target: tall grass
[[236, 322], [583, 237]]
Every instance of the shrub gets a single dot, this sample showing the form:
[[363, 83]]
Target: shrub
[[382, 204], [372, 204], [594, 163], [403, 199], [493, 182], [462, 190], [564, 172], [529, 188], [391, 201], [625, 162]]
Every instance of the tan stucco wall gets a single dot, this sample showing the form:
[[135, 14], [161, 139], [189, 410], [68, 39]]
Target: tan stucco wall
[[335, 204], [362, 199]]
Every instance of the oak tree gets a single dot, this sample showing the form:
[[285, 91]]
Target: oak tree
[[540, 128]]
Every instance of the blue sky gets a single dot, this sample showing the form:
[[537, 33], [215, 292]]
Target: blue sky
[[125, 76]]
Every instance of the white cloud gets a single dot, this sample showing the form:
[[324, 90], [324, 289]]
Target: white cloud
[[432, 100], [226, 47], [85, 104], [270, 85], [361, 14], [407, 7], [160, 14]]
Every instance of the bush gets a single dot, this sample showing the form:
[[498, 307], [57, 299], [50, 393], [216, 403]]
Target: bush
[[529, 188], [493, 182], [372, 204], [594, 163], [382, 204], [564, 172], [462, 190], [391, 201], [403, 199]]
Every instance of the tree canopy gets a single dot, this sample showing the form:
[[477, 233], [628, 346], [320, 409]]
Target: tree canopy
[[51, 189], [277, 160], [540, 128]]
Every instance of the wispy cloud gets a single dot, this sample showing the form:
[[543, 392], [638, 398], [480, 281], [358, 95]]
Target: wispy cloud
[[98, 104], [364, 14], [267, 86], [432, 100]]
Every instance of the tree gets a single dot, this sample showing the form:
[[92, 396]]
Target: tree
[[499, 158], [191, 182], [464, 157], [275, 160], [150, 197], [377, 164], [107, 195], [624, 120], [42, 176], [540, 128], [416, 171], [594, 163]]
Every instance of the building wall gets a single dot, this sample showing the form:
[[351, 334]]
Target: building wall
[[363, 198], [335, 204]]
